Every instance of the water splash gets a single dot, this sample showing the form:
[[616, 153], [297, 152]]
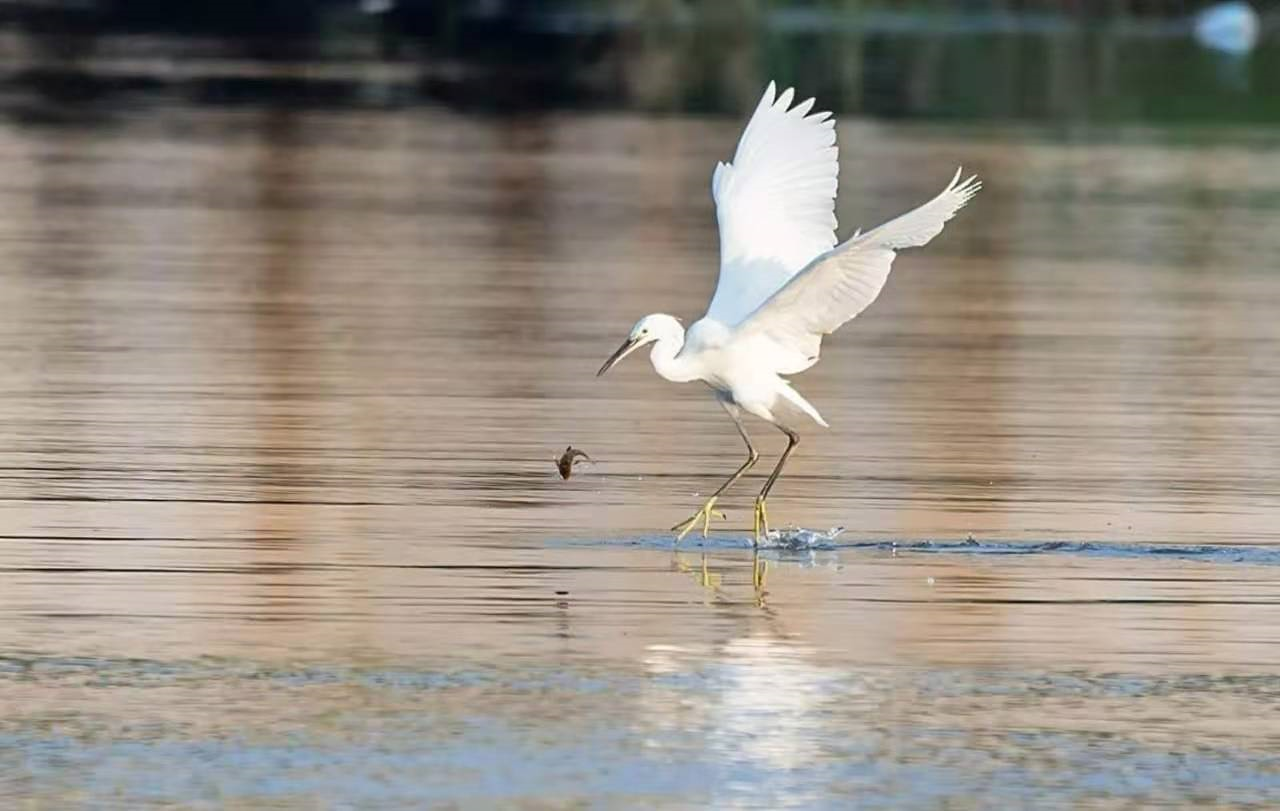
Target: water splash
[[798, 539]]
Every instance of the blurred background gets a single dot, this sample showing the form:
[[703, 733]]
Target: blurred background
[[1153, 61], [300, 299]]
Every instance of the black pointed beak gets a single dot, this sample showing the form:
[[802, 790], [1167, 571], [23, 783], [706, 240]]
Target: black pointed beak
[[622, 352]]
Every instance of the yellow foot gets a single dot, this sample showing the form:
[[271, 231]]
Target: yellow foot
[[760, 525], [703, 515]]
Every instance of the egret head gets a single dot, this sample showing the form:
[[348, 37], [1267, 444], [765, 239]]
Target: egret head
[[647, 330]]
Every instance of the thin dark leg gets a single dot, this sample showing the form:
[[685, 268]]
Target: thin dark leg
[[761, 523], [684, 527], [752, 455], [793, 439]]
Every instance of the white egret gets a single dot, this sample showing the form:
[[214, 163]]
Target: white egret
[[784, 282]]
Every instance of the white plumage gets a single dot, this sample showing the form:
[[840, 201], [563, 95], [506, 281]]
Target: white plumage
[[784, 282], [775, 204]]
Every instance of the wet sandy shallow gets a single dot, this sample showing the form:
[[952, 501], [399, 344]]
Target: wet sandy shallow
[[282, 527]]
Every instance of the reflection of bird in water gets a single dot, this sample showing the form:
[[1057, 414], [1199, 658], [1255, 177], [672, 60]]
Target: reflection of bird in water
[[566, 460], [701, 572], [712, 581], [784, 282]]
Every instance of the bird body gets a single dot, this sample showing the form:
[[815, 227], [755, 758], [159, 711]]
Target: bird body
[[733, 368], [784, 281]]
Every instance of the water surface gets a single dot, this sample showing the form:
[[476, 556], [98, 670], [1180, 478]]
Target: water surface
[[281, 525]]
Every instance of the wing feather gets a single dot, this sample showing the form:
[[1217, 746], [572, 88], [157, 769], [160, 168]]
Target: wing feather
[[843, 282], [775, 203]]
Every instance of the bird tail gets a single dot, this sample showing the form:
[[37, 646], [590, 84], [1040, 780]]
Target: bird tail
[[792, 396]]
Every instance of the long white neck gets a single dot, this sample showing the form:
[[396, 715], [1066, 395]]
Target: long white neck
[[664, 360]]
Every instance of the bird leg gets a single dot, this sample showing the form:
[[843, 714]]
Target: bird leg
[[761, 522], [705, 513], [708, 509]]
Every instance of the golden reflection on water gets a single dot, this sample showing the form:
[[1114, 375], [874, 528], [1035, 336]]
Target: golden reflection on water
[[320, 338], [288, 385]]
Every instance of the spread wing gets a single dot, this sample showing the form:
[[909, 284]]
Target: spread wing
[[843, 282], [775, 204]]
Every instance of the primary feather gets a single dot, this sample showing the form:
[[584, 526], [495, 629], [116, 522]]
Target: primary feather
[[843, 282], [775, 203]]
